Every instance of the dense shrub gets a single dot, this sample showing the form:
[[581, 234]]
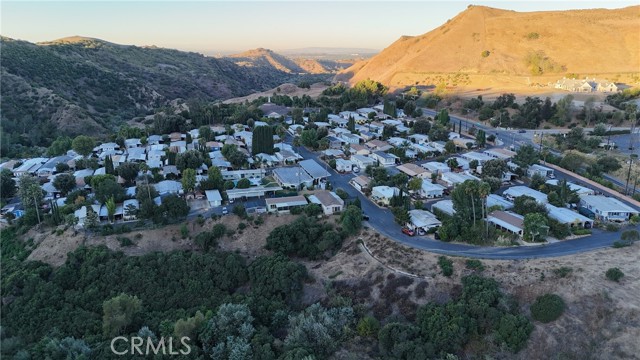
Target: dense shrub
[[446, 266], [474, 264], [547, 308], [614, 274]]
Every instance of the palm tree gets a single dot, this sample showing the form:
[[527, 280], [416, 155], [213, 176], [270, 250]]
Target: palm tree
[[484, 190], [452, 163]]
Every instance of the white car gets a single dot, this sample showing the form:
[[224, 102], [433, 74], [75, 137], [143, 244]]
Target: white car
[[355, 169], [225, 211]]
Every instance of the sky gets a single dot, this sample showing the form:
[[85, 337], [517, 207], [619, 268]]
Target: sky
[[212, 27]]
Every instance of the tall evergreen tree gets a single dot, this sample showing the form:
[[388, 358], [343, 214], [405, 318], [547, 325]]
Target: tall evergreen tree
[[108, 166], [262, 141], [351, 125]]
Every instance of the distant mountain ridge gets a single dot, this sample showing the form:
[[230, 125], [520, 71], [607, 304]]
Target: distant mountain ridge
[[84, 85], [484, 40], [268, 59]]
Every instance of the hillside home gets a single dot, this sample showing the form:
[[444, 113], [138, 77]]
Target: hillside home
[[213, 198], [435, 167], [362, 161], [568, 217], [444, 206], [479, 157], [328, 200], [607, 208], [343, 165], [451, 179], [508, 221], [414, 170], [285, 204], [422, 221], [384, 159], [361, 183], [29, 166], [580, 190], [383, 194], [378, 145], [540, 170], [516, 191], [431, 191], [502, 154], [351, 138]]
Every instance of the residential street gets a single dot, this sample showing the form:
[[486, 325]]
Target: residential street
[[383, 222]]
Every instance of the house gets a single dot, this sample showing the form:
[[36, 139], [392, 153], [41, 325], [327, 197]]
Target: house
[[333, 153], [357, 149], [137, 155], [292, 177], [362, 161], [398, 141], [29, 166], [435, 167], [384, 159], [497, 200], [170, 170], [343, 165], [607, 208], [391, 122], [383, 194], [334, 142], [438, 146], [130, 209], [580, 190], [419, 139], [507, 220], [361, 183], [351, 138], [568, 217], [110, 146], [81, 214], [540, 170], [154, 139], [80, 175], [252, 192], [463, 143], [451, 179], [168, 187], [254, 175], [213, 198], [330, 202], [455, 135], [132, 143], [607, 86], [443, 206], [315, 170], [517, 191], [285, 204], [422, 221], [49, 167], [338, 121], [502, 154], [462, 163], [378, 145], [414, 170], [423, 148], [178, 146], [575, 85], [479, 157], [293, 129], [431, 191]]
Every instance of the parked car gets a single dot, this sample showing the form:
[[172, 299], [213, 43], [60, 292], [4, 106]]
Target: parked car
[[521, 131], [408, 231], [225, 211], [436, 235], [355, 169], [365, 217]]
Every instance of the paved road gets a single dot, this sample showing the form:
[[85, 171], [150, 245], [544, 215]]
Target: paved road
[[383, 222]]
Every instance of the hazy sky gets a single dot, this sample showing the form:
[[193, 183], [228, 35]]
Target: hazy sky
[[223, 26]]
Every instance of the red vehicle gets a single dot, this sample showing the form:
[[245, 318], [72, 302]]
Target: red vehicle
[[408, 231]]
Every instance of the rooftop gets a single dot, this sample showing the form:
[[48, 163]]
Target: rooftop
[[314, 169]]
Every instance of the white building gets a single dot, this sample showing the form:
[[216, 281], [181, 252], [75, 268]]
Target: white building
[[431, 191], [435, 167], [214, 198], [516, 191], [568, 217], [452, 179], [361, 183], [343, 165], [607, 208], [383, 194], [384, 159], [330, 202], [285, 204], [507, 220], [540, 170], [580, 190], [445, 206], [479, 157], [422, 220], [362, 161]]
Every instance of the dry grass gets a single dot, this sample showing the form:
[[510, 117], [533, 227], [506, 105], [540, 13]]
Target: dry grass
[[568, 38]]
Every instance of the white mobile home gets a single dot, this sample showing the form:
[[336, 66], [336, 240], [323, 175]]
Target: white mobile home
[[540, 170], [607, 209]]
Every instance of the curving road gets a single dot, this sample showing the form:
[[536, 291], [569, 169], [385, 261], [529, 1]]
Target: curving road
[[382, 220]]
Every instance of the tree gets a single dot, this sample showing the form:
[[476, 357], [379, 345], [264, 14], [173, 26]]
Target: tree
[[67, 348], [214, 175], [111, 208], [59, 146], [189, 180], [547, 308], [7, 184], [262, 140], [536, 227], [351, 219], [119, 313], [309, 138], [421, 127], [318, 329], [572, 162], [524, 205], [83, 145], [108, 166], [174, 207], [415, 184], [409, 108], [92, 220], [526, 155], [351, 124], [128, 171], [563, 110], [481, 138], [30, 192], [438, 133], [608, 164], [614, 274], [107, 188], [389, 108], [227, 335], [297, 115], [494, 168], [64, 183], [443, 118], [191, 159], [450, 147], [452, 163], [243, 184], [205, 133]]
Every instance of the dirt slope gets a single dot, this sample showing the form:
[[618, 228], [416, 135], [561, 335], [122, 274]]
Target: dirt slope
[[594, 41]]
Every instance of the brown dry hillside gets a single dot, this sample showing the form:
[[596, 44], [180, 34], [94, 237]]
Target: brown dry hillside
[[270, 60], [594, 41]]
